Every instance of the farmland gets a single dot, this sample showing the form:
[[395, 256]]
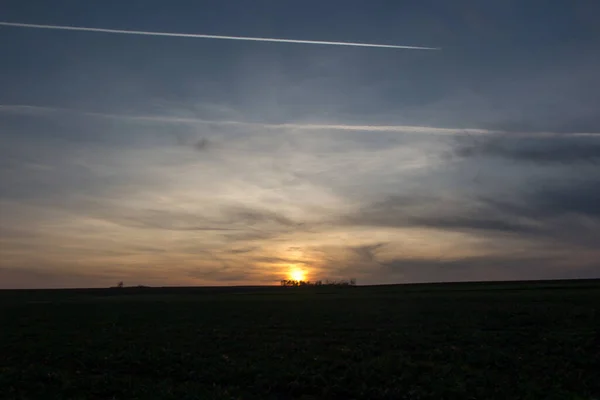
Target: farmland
[[514, 340]]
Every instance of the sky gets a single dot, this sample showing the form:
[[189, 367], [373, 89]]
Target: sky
[[170, 161]]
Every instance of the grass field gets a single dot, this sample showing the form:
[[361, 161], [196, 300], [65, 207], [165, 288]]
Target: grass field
[[438, 341]]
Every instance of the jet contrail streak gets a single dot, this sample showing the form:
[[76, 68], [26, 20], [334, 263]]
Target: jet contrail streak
[[194, 35]]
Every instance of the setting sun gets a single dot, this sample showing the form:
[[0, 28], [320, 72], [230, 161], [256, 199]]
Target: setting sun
[[297, 275]]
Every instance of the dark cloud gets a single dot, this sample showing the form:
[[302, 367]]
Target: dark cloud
[[258, 224], [474, 222], [253, 216], [162, 220], [580, 197], [346, 261], [431, 212], [393, 211], [243, 250], [559, 212], [484, 268], [201, 145], [232, 218], [367, 253], [548, 203], [562, 212], [252, 235], [562, 149], [279, 260]]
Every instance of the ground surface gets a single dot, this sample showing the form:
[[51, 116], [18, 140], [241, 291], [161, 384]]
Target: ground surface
[[454, 341]]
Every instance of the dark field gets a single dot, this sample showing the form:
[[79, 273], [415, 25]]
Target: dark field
[[446, 341]]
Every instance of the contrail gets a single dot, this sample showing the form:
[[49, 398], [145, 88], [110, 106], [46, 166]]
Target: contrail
[[44, 110], [200, 36]]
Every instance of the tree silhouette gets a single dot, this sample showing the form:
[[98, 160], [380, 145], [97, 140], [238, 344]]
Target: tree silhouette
[[296, 283]]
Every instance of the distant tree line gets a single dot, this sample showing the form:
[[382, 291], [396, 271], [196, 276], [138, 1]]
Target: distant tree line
[[120, 285], [342, 282]]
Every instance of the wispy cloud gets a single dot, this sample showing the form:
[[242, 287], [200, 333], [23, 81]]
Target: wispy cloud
[[44, 110]]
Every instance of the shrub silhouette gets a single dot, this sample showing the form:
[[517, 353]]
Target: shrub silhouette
[[297, 283]]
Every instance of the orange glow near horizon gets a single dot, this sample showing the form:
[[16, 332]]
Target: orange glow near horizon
[[297, 275]]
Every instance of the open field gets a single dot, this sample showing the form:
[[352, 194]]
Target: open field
[[513, 340]]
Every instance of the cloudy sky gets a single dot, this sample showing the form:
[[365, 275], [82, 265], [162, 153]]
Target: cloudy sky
[[186, 161]]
